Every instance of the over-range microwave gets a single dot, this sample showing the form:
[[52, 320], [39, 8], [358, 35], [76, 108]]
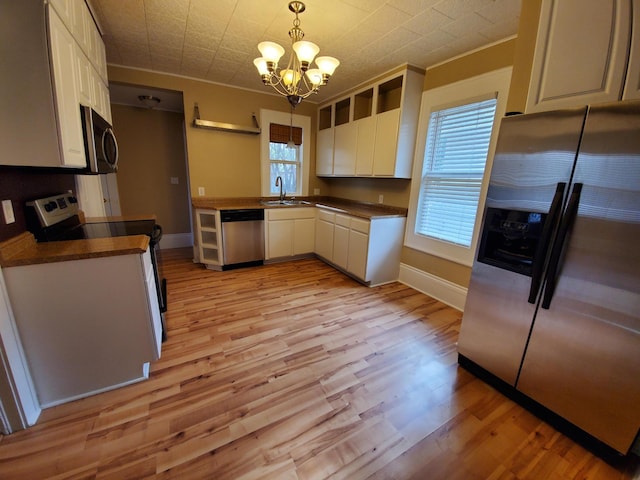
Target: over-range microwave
[[100, 142]]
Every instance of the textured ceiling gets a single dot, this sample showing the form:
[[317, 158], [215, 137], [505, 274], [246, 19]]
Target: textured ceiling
[[216, 40]]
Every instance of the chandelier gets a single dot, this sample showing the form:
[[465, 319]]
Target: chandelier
[[297, 81]]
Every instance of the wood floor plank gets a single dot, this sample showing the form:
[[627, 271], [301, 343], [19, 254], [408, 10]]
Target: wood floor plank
[[295, 371]]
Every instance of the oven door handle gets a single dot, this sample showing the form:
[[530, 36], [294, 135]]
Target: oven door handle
[[540, 255], [156, 233]]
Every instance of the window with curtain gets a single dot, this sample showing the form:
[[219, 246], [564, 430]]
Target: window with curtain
[[453, 169], [284, 158]]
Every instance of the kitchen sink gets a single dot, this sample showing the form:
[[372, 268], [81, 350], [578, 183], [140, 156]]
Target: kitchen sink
[[284, 202]]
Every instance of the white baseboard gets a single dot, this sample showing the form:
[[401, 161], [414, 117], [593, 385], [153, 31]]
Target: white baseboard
[[145, 376], [176, 240], [443, 290]]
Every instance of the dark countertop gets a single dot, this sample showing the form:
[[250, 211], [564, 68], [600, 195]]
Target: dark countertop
[[339, 205]]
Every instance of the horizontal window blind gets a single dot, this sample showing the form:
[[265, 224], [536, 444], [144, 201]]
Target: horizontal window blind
[[455, 157]]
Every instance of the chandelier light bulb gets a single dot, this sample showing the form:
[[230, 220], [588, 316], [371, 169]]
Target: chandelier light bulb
[[290, 77], [315, 76], [271, 51], [261, 65], [306, 52], [327, 65]]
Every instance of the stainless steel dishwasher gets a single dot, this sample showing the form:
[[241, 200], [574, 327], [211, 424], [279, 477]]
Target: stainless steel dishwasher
[[242, 237]]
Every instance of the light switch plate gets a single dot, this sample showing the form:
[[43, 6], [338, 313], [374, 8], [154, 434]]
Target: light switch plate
[[201, 191], [7, 209], [174, 181]]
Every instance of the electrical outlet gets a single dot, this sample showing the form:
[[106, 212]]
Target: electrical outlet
[[201, 191], [380, 198], [316, 191], [174, 181], [7, 209]]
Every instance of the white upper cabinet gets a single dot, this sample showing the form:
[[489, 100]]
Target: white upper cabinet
[[67, 92], [372, 132], [324, 141], [344, 149], [582, 53], [55, 62], [365, 146], [385, 145], [90, 55], [632, 83], [76, 16], [65, 11]]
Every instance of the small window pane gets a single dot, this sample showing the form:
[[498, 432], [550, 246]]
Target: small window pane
[[280, 151], [289, 174]]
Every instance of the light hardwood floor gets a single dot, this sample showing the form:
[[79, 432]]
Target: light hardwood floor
[[295, 371]]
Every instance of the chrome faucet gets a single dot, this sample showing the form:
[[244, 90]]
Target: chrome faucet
[[279, 184]]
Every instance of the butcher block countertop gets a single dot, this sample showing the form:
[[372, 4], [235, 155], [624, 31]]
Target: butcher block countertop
[[24, 250], [340, 205]]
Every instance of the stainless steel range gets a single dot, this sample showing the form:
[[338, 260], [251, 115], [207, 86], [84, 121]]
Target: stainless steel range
[[56, 218]]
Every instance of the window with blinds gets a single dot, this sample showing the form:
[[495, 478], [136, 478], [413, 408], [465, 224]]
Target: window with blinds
[[453, 167], [284, 158]]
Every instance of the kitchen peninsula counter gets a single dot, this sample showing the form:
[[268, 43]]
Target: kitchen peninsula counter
[[24, 250], [340, 205]]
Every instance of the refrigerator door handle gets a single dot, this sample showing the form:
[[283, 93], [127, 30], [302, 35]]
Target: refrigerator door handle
[[545, 239], [565, 226]]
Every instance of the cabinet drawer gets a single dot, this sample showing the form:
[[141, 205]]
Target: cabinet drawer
[[326, 216], [290, 213], [360, 225], [343, 220]]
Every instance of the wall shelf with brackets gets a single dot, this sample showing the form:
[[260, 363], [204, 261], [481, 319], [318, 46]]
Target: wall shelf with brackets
[[226, 127]]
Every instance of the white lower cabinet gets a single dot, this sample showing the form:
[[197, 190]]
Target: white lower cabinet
[[358, 250], [341, 240], [93, 326], [279, 239], [324, 234], [367, 249], [304, 235], [289, 232]]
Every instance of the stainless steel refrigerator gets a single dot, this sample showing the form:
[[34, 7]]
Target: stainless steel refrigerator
[[553, 306]]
